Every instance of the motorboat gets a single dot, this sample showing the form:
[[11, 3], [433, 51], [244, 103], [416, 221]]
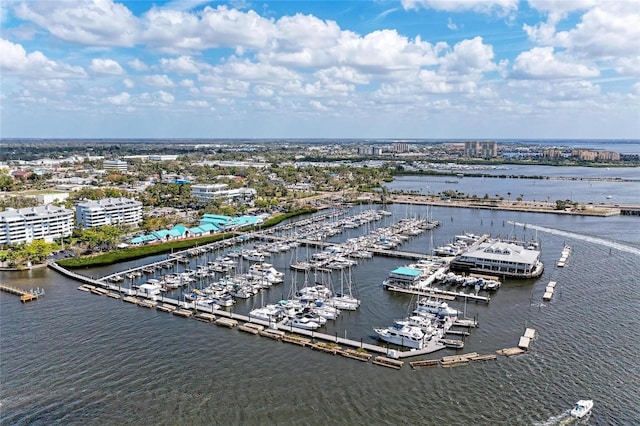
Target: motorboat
[[304, 322], [582, 408], [441, 309], [402, 333]]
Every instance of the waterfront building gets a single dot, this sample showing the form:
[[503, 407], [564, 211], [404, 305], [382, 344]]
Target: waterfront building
[[208, 192], [500, 258], [108, 211], [35, 223], [590, 155]]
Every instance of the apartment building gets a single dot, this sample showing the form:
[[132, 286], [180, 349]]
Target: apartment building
[[35, 223], [108, 211], [209, 192], [482, 149]]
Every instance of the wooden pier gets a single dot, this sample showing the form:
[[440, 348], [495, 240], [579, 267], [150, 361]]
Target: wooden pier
[[25, 295]]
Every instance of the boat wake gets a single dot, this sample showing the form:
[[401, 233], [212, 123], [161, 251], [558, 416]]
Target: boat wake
[[562, 419], [595, 240]]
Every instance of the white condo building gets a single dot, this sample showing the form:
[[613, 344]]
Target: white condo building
[[108, 211], [35, 223], [206, 193]]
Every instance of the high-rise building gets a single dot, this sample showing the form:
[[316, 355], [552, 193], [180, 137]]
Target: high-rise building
[[481, 149]]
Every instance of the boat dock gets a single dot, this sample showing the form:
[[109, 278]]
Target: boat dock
[[548, 292], [564, 256], [25, 295], [440, 294]]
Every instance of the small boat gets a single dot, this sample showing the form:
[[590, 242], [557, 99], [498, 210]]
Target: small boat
[[582, 408]]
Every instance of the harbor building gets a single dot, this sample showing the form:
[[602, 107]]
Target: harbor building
[[500, 258], [35, 223], [108, 211], [208, 192]]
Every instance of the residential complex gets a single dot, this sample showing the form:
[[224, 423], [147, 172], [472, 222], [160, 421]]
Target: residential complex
[[108, 211], [35, 223], [484, 149], [210, 192]]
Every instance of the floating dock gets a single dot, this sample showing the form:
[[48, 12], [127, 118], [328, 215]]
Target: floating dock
[[526, 338], [548, 292], [564, 256]]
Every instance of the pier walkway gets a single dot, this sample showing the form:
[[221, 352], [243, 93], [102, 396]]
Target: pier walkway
[[438, 293], [25, 295], [431, 347]]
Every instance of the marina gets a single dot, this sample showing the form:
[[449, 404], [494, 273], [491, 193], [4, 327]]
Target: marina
[[423, 332], [143, 334]]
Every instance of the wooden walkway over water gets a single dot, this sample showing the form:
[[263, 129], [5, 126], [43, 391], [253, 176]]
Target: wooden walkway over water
[[25, 295]]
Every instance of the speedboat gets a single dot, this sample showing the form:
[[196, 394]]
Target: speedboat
[[582, 408]]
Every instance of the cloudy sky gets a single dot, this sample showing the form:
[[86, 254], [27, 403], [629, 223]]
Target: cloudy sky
[[320, 69]]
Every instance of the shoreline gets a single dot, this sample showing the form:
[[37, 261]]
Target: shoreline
[[522, 206]]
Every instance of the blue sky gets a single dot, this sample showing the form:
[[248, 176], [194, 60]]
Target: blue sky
[[320, 69]]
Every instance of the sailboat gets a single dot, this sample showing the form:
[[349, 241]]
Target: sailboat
[[345, 300]]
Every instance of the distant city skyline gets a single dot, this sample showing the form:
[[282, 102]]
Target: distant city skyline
[[409, 69]]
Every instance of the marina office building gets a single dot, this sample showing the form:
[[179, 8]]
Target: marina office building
[[210, 192], [35, 223], [108, 211], [500, 258]]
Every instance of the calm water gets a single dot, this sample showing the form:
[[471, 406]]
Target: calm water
[[76, 358], [582, 191]]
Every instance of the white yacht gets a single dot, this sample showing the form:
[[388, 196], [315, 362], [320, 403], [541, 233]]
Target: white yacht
[[441, 309], [303, 322], [582, 408], [267, 313], [401, 333]]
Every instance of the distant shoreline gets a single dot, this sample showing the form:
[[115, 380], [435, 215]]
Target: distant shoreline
[[522, 206]]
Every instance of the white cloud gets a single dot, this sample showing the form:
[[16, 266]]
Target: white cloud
[[122, 99], [345, 74], [53, 85], [469, 57], [318, 106], [176, 31], [15, 60], [606, 29], [181, 65], [541, 63], [198, 104], [138, 65], [86, 22], [128, 83], [561, 6], [451, 25], [483, 6], [165, 97], [263, 91], [158, 80], [106, 67]]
